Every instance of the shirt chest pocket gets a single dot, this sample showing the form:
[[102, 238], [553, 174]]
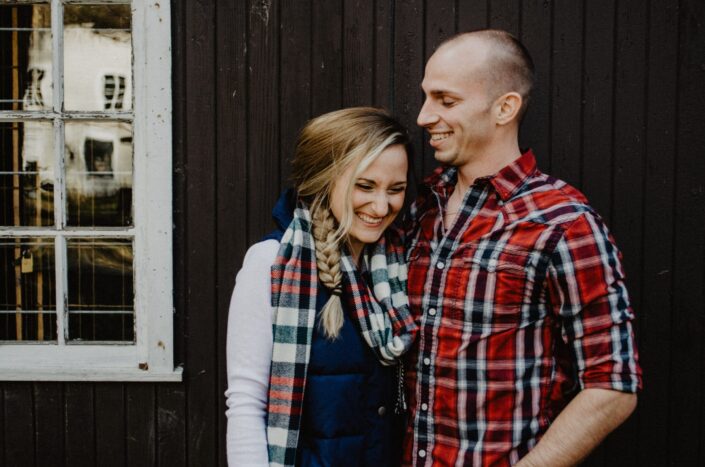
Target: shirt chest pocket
[[497, 286]]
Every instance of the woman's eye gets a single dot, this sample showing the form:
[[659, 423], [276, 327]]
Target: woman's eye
[[397, 190], [363, 186]]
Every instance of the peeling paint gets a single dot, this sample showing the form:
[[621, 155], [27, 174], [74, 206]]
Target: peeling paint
[[260, 9]]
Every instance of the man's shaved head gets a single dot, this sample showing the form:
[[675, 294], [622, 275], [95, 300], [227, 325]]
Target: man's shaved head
[[508, 67]]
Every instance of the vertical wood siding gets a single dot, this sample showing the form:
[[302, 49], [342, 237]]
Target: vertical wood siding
[[618, 112]]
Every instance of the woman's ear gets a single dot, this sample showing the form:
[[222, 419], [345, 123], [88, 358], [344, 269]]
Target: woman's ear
[[507, 107]]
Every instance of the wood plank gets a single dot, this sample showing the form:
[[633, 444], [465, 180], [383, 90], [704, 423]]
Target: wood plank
[[295, 83], [140, 424], [171, 425], [79, 406], [506, 15], [358, 52], [473, 15], [179, 119], [200, 259], [566, 91], [629, 133], [655, 314], [598, 110], [535, 130], [408, 71], [326, 56], [18, 426], [110, 424], [626, 222], [628, 176], [383, 53], [688, 324], [263, 117], [232, 193], [49, 423], [440, 24], [3, 418]]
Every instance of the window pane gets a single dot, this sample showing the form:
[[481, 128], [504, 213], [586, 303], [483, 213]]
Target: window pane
[[98, 161], [97, 57], [27, 290], [26, 174], [101, 290], [25, 57]]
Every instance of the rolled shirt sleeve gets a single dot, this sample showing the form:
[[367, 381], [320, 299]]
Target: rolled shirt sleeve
[[586, 289]]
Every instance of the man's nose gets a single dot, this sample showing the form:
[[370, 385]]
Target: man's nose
[[426, 115]]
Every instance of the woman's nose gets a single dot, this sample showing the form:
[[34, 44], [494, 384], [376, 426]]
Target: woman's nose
[[380, 205]]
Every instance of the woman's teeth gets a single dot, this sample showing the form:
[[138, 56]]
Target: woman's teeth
[[369, 219]]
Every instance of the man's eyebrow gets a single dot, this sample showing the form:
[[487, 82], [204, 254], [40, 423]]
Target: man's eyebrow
[[439, 92]]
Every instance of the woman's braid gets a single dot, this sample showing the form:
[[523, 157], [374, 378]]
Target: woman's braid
[[328, 264]]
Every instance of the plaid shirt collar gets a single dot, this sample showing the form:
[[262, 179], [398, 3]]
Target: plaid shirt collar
[[506, 182]]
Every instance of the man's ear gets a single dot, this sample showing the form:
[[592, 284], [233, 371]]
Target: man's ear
[[507, 107]]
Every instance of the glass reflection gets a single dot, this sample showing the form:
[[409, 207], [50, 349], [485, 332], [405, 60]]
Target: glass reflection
[[100, 290], [97, 57], [27, 290], [26, 174], [98, 165], [25, 57]]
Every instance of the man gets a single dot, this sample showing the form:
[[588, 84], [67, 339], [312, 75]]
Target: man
[[525, 351]]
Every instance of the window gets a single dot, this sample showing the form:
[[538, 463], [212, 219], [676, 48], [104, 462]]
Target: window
[[85, 191]]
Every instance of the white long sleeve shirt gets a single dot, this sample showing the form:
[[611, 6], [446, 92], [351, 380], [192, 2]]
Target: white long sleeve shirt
[[249, 356]]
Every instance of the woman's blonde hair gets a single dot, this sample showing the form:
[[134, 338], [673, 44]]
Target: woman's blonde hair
[[328, 146]]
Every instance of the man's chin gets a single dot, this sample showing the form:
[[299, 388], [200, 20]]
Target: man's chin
[[444, 157]]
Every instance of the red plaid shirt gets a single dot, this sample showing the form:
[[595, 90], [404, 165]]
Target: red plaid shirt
[[520, 304]]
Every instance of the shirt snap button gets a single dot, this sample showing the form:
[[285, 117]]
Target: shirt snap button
[[426, 361], [424, 406], [440, 265], [422, 453], [432, 311], [381, 411]]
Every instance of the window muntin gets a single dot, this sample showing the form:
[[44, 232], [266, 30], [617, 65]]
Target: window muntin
[[75, 171]]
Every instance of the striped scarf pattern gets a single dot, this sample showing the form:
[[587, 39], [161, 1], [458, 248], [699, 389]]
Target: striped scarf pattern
[[382, 315]]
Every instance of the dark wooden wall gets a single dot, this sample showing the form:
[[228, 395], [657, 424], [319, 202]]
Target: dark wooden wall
[[618, 112]]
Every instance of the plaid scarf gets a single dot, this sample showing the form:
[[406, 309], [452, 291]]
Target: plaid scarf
[[382, 316]]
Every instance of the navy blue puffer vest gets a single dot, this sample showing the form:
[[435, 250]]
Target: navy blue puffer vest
[[348, 412]]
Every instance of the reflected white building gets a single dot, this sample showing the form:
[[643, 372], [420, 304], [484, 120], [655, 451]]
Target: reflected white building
[[97, 76]]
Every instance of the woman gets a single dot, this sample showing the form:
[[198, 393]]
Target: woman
[[322, 303]]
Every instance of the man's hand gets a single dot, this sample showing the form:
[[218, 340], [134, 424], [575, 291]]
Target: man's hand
[[580, 427]]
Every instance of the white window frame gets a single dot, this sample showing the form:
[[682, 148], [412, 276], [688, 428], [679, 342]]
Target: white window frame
[[151, 356]]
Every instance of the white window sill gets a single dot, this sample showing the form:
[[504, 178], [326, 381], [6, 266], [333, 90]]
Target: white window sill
[[90, 374]]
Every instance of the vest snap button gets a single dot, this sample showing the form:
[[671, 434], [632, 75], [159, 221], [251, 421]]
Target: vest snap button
[[381, 411]]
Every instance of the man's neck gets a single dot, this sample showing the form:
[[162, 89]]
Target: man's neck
[[491, 161]]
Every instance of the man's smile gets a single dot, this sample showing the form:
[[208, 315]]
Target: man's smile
[[440, 136]]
